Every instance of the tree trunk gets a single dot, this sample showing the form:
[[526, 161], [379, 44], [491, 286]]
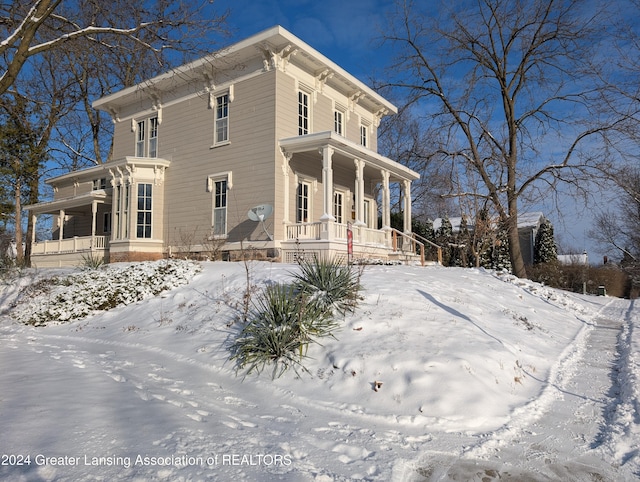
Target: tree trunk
[[18, 222], [515, 253]]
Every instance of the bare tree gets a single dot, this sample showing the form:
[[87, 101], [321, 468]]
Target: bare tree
[[619, 228], [59, 56], [37, 26], [510, 90]]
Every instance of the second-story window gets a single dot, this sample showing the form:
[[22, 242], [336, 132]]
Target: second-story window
[[222, 119], [338, 126], [363, 136], [153, 137], [147, 138], [303, 113], [141, 134]]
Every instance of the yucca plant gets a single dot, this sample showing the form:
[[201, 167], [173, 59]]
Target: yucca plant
[[92, 261], [329, 284], [279, 330]]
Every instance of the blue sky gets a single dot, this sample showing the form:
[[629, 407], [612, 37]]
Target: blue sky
[[347, 32]]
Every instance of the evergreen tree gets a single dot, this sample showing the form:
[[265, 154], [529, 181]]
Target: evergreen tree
[[444, 238], [544, 250], [501, 259]]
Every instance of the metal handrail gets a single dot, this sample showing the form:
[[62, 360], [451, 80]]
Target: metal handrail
[[431, 243], [395, 233]]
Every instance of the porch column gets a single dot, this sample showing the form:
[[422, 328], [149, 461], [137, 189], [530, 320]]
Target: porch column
[[327, 184], [406, 197], [285, 173], [94, 211], [359, 192], [386, 201], [34, 218], [60, 224]]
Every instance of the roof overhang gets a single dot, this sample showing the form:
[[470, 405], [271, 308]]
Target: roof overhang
[[273, 40], [313, 142]]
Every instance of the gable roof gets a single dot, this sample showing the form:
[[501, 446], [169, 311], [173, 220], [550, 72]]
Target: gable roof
[[275, 40]]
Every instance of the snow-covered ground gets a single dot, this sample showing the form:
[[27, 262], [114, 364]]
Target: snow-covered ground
[[483, 377]]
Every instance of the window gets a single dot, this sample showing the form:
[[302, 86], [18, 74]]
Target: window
[[338, 204], [140, 139], [147, 142], [222, 119], [99, 184], [337, 122], [302, 202], [153, 137], [121, 211], [365, 214], [125, 211], [303, 113], [220, 208], [144, 211], [363, 135], [106, 223]]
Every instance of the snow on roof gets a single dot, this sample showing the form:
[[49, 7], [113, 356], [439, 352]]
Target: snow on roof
[[525, 220]]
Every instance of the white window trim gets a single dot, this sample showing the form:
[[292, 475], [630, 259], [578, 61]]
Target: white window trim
[[313, 188], [345, 193], [146, 132], [137, 198], [310, 93], [213, 105], [216, 119], [364, 126], [211, 187]]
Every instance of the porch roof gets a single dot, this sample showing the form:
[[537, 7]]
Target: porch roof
[[103, 169], [346, 147], [54, 207]]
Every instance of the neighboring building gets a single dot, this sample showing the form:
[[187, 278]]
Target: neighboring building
[[268, 123], [574, 259], [528, 225]]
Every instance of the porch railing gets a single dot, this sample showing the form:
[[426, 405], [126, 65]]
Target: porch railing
[[313, 231], [71, 245]]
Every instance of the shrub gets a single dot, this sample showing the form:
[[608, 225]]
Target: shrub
[[328, 284], [92, 261], [279, 330]]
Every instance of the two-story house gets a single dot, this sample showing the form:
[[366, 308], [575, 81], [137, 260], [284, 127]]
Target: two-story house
[[266, 145]]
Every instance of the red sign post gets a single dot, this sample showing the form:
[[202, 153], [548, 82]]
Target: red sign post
[[349, 243]]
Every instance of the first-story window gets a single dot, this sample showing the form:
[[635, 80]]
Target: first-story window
[[366, 214], [106, 223], [302, 202], [121, 211], [220, 208], [143, 227], [338, 206]]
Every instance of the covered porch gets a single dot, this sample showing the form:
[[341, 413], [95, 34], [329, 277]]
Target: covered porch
[[76, 232], [345, 179]]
